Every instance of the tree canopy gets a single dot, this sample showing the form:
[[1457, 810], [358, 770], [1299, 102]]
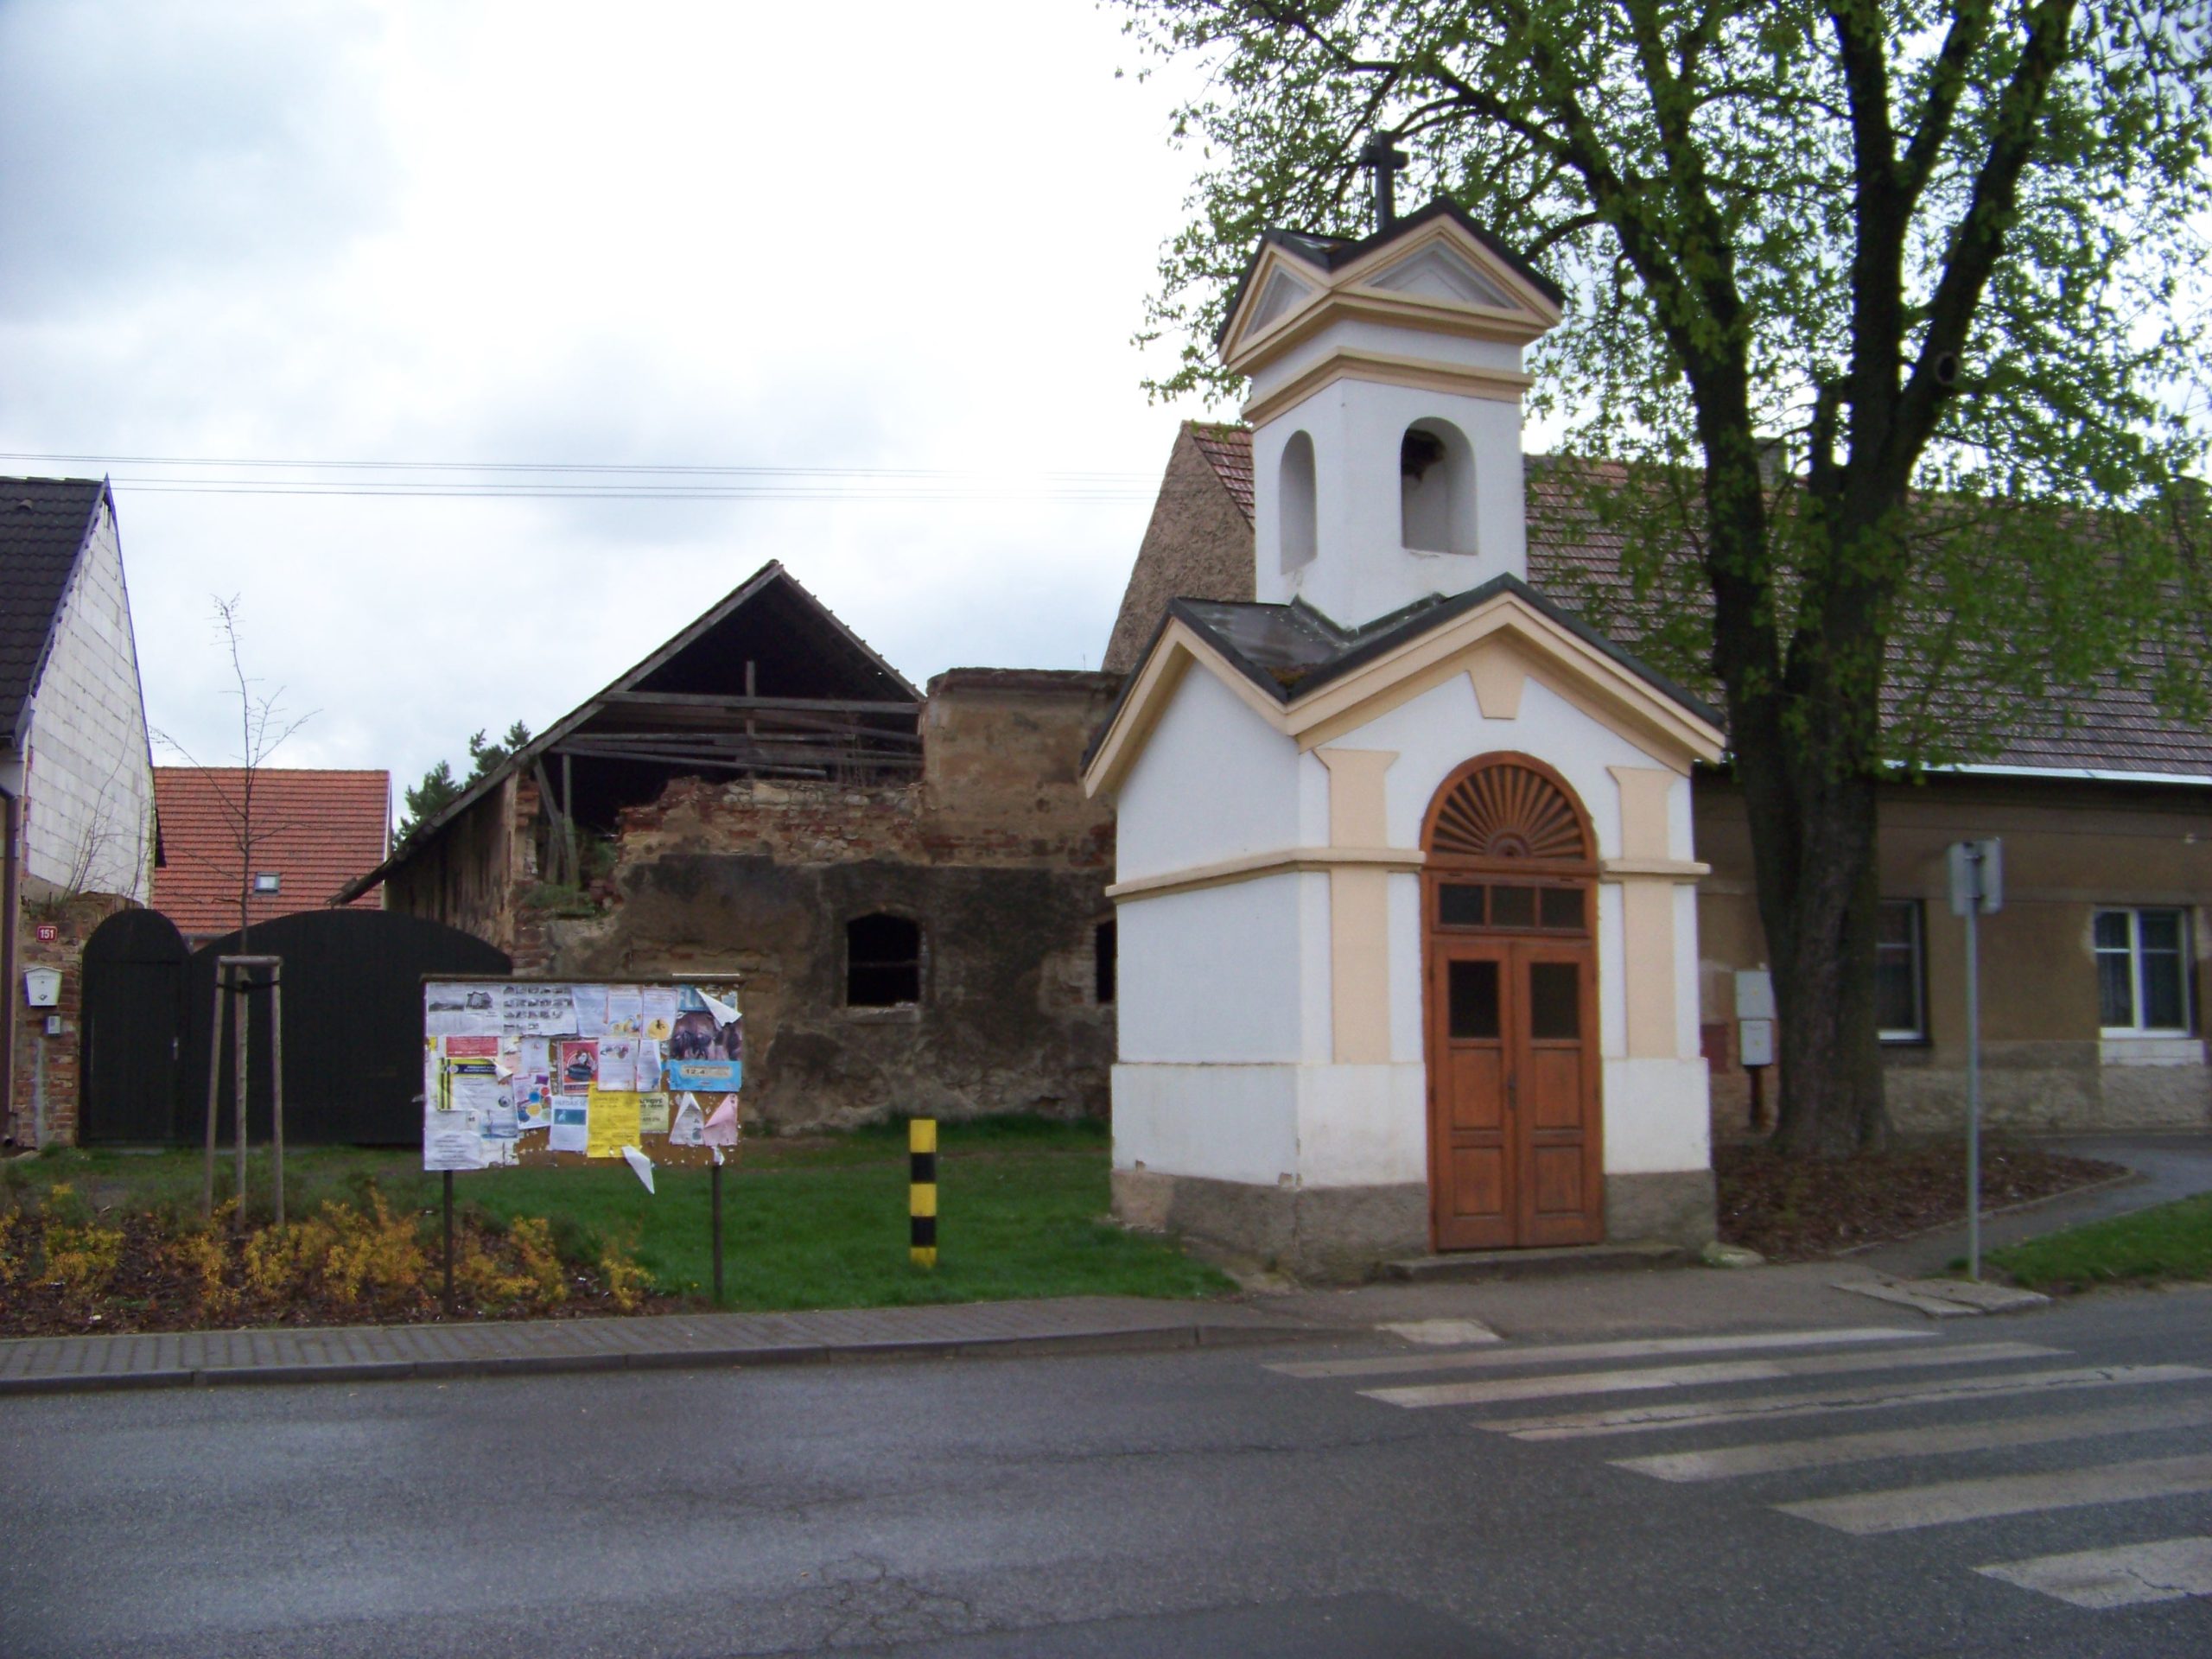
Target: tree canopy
[[440, 788], [1889, 315]]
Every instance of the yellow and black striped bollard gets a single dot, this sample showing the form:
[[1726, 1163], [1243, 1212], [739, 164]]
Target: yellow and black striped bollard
[[921, 1190]]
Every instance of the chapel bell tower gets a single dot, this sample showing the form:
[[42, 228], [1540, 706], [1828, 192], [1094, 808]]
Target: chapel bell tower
[[1385, 409]]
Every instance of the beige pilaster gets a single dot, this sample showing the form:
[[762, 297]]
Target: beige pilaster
[[1647, 910], [1359, 908]]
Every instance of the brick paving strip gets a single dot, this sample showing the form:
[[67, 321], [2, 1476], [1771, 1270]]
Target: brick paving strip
[[381, 1352]]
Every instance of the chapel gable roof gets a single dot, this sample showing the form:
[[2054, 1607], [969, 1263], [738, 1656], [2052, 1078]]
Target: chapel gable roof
[[1331, 254], [44, 524], [1310, 678]]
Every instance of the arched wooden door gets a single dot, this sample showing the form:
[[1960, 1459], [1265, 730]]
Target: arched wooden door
[[1510, 912]]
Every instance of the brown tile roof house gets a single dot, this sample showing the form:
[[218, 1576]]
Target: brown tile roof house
[[1199, 546], [312, 832]]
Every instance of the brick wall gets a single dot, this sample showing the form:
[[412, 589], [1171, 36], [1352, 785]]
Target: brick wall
[[47, 1065]]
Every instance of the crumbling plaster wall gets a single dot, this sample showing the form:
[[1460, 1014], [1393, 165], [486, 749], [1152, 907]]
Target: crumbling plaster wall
[[1198, 545], [994, 851]]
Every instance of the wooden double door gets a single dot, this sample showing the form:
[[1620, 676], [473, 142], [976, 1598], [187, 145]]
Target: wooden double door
[[1514, 1155]]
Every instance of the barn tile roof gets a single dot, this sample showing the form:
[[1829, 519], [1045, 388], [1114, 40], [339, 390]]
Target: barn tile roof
[[2109, 729], [1228, 450], [44, 524], [322, 828]]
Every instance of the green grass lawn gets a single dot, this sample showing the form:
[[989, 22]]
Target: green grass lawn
[[814, 1224], [2173, 1241]]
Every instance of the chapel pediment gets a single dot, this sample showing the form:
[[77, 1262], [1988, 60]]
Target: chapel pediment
[[1436, 270]]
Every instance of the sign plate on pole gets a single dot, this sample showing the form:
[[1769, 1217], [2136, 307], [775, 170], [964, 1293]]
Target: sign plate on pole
[[1977, 872]]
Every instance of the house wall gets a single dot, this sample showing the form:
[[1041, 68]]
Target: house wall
[[2070, 849], [89, 780], [42, 1104]]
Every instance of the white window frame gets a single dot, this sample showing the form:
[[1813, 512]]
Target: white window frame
[[1918, 1033], [2135, 914]]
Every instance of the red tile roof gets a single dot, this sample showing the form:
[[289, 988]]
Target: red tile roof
[[2105, 729], [1228, 450], [316, 830]]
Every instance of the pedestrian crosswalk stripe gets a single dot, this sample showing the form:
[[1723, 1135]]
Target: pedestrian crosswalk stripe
[[2166, 1570], [1770, 1457], [1909, 1508], [1637, 1348], [1493, 1389], [1877, 1396]]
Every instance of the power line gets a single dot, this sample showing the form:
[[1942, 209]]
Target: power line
[[614, 469], [614, 492]]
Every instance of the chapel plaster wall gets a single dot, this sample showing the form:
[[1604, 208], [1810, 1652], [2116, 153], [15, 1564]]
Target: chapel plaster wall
[[1220, 1121], [1213, 782], [1233, 973]]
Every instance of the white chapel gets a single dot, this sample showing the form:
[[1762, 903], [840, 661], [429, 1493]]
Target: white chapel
[[1405, 883]]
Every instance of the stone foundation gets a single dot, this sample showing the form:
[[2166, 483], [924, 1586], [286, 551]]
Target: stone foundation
[[1343, 1233], [1673, 1206], [1329, 1233]]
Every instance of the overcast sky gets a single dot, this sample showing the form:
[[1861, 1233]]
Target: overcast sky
[[872, 237]]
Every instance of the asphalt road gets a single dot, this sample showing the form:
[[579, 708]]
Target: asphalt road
[[1197, 1503]]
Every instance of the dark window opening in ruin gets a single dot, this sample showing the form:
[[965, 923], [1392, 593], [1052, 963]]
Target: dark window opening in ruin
[[1103, 950], [883, 962]]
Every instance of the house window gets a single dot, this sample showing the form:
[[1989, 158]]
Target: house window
[[883, 962], [2142, 972], [1900, 974], [1294, 504], [1103, 948], [265, 881]]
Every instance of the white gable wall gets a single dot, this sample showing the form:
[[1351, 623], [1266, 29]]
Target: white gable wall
[[1214, 782], [89, 781]]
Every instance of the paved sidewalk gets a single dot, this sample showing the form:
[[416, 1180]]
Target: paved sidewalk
[[363, 1353], [1641, 1302]]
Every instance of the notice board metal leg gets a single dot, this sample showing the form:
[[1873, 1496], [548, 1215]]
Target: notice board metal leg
[[717, 1174], [448, 1295]]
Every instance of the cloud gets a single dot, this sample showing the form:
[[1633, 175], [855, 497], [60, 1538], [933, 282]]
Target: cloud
[[703, 235]]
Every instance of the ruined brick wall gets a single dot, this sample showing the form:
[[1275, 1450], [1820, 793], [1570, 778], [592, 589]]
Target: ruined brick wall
[[43, 1101], [994, 853]]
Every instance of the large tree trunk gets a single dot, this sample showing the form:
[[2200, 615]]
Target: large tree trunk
[[1820, 907], [1805, 730]]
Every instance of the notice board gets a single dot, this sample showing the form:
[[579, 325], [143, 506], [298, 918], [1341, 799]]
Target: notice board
[[539, 1071]]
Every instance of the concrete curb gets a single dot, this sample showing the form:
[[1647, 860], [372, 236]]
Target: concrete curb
[[1142, 1339], [2126, 1178]]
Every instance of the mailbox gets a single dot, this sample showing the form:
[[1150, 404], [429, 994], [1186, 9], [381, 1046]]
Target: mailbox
[[42, 987]]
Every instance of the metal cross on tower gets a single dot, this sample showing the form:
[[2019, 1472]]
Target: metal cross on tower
[[1382, 157]]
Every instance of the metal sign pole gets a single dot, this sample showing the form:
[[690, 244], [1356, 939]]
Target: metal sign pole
[[1977, 884], [1974, 1088]]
